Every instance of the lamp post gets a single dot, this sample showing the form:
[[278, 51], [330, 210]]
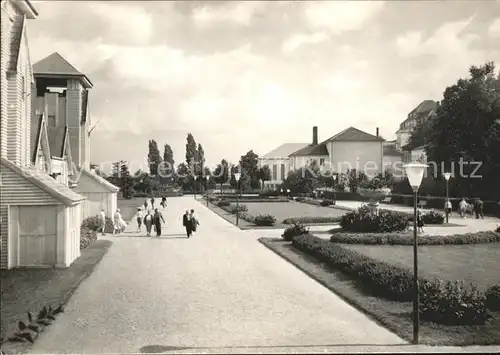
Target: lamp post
[[334, 177], [415, 173], [206, 189], [288, 193], [237, 177], [194, 187], [447, 178]]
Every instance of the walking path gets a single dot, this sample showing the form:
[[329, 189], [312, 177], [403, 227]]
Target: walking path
[[218, 292]]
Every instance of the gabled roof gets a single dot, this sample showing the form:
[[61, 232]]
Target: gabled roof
[[425, 107], [390, 150], [100, 180], [56, 66], [284, 150], [312, 150], [42, 180], [352, 134]]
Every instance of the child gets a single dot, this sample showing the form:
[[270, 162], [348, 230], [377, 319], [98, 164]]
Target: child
[[420, 221]]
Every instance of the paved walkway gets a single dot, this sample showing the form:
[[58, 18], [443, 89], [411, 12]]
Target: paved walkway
[[215, 292]]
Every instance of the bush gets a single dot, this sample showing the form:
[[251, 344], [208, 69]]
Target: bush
[[87, 237], [452, 303], [238, 208], [94, 224], [264, 220], [246, 217], [293, 220], [433, 217], [498, 229], [399, 239], [223, 203], [270, 193], [326, 203], [445, 302], [493, 298], [362, 221], [293, 231], [300, 199]]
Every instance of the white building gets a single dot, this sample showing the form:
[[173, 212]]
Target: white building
[[419, 114]]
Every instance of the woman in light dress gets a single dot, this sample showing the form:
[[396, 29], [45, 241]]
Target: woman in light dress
[[119, 223], [138, 217]]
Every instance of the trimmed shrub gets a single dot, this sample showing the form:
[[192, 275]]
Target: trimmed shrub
[[445, 302], [293, 231], [452, 303], [94, 224], [325, 203], [270, 193], [300, 199], [238, 208], [223, 203], [362, 221], [406, 239], [264, 220], [493, 298], [87, 237], [293, 220], [433, 217], [246, 217]]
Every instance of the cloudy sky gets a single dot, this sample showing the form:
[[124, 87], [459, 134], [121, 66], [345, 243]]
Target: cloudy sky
[[254, 75]]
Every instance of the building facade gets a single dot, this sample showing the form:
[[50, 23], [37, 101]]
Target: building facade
[[425, 110]]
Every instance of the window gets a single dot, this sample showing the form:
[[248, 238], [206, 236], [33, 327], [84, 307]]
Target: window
[[275, 172], [52, 121], [321, 161], [282, 172]]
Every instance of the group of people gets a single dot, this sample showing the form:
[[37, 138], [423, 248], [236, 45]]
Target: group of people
[[149, 220], [464, 208]]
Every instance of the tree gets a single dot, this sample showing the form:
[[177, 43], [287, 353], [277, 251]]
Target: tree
[[355, 179], [249, 164], [168, 155], [167, 173], [191, 151], [466, 128], [303, 180], [420, 134], [200, 161], [126, 181], [265, 173], [221, 173], [184, 176], [154, 158]]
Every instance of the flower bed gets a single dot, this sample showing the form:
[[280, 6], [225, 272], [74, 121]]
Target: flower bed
[[363, 221], [264, 220], [449, 302], [87, 237], [400, 239], [295, 230], [94, 224], [306, 219]]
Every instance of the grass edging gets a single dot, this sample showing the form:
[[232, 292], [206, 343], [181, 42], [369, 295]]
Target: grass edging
[[393, 315], [89, 259]]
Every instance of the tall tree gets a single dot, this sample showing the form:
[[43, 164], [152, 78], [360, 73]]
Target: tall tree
[[154, 157], [168, 168], [265, 173], [221, 173], [126, 181], [168, 155], [191, 149], [466, 128], [249, 164]]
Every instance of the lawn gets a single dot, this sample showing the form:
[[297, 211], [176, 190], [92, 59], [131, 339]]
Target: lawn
[[282, 210], [477, 263]]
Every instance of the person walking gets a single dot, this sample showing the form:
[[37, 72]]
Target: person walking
[[158, 219], [102, 219], [186, 222], [194, 221], [478, 208], [138, 217], [420, 221], [148, 222], [462, 208], [145, 205], [153, 203], [119, 224], [447, 208]]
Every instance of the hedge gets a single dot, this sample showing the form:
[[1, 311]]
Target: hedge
[[306, 219], [87, 237], [264, 220], [94, 224], [493, 298], [445, 302], [363, 221], [399, 239], [293, 231]]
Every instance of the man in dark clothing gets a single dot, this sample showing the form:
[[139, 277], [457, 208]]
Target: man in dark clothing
[[158, 218], [478, 207], [186, 222], [152, 202]]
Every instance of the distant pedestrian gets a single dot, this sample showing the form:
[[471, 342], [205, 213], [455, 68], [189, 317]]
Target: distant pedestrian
[[186, 222], [148, 222], [138, 217], [420, 220], [462, 208], [478, 208], [152, 202], [194, 221], [163, 202], [145, 205], [102, 219], [447, 208], [119, 224], [158, 219]]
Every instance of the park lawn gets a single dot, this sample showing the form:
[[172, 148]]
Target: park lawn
[[476, 263], [396, 316], [283, 210]]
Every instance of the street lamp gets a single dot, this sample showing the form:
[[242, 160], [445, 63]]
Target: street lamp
[[206, 189], [237, 177], [415, 173], [194, 186], [288, 193], [281, 192], [334, 177], [447, 178]]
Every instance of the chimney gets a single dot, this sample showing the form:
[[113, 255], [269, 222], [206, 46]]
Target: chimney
[[315, 135], [377, 131]]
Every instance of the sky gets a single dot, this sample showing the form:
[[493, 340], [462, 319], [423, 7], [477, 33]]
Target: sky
[[253, 75]]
